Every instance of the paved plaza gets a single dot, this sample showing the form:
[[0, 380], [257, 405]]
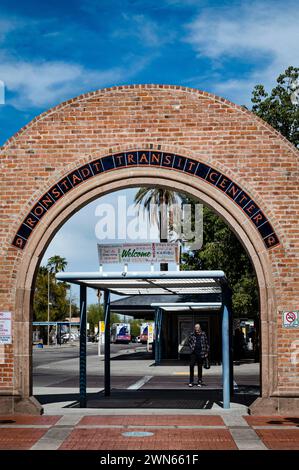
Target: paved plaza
[[150, 407], [135, 381], [120, 431]]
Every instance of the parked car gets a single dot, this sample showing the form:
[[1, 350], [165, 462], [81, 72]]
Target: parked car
[[66, 337], [91, 338]]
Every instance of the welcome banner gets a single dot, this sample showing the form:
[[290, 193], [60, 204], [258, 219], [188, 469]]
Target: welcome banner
[[138, 253]]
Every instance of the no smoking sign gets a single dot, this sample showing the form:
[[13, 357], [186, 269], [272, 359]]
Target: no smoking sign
[[291, 319]]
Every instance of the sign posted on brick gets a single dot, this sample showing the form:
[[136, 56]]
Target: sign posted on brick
[[291, 319], [5, 328]]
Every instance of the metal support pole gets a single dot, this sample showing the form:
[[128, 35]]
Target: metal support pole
[[83, 346], [225, 357], [48, 339], [160, 335], [227, 300], [107, 343], [158, 324], [157, 310], [231, 361], [70, 317]]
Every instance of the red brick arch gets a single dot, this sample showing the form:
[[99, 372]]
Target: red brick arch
[[210, 135]]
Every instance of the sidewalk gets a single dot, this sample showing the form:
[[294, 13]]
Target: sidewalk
[[155, 431], [73, 344]]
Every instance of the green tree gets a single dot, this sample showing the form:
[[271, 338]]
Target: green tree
[[135, 327], [222, 250], [156, 201], [59, 298], [55, 264], [277, 108], [95, 314]]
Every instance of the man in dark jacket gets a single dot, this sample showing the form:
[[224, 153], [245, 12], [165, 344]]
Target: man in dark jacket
[[199, 346]]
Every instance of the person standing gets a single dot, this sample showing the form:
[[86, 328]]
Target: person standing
[[199, 346]]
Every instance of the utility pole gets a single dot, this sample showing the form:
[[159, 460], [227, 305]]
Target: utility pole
[[70, 319]]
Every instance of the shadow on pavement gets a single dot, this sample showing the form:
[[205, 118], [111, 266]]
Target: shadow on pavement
[[136, 356], [151, 399]]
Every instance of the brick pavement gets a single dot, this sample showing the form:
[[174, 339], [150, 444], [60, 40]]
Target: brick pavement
[[148, 420], [272, 421], [148, 432], [158, 439], [276, 432], [19, 439], [280, 439]]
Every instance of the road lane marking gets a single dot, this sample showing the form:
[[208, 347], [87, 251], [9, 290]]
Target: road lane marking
[[140, 382]]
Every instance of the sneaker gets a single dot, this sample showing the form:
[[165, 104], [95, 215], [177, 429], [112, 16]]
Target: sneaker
[[190, 385], [199, 384]]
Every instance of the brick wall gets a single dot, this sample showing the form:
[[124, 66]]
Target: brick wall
[[193, 123]]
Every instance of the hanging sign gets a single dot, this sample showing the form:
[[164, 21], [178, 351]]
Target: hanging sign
[[138, 253]]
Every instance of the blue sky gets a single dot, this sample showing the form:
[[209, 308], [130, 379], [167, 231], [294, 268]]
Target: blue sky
[[53, 50]]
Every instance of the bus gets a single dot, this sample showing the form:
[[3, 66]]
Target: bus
[[120, 333], [144, 332]]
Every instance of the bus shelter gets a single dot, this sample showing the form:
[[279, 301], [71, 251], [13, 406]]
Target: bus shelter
[[58, 325], [189, 283]]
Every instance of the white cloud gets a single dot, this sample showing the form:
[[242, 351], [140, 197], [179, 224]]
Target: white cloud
[[253, 29], [7, 25], [148, 32], [38, 84], [266, 34]]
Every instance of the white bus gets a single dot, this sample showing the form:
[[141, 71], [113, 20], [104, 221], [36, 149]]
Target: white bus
[[120, 333], [144, 332]]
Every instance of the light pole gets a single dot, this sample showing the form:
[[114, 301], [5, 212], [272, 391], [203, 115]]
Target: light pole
[[48, 307], [70, 316]]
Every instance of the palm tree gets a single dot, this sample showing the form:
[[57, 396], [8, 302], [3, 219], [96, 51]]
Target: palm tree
[[56, 263], [155, 201]]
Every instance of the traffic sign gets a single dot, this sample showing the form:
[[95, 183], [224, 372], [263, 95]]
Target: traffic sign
[[291, 319]]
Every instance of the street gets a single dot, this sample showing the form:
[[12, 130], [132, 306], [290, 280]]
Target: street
[[135, 380]]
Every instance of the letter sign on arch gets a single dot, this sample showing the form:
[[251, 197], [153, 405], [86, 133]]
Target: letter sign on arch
[[143, 158]]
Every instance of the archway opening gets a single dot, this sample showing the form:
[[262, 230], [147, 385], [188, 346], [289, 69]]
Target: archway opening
[[220, 245]]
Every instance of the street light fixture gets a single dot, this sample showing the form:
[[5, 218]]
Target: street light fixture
[[70, 316]]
